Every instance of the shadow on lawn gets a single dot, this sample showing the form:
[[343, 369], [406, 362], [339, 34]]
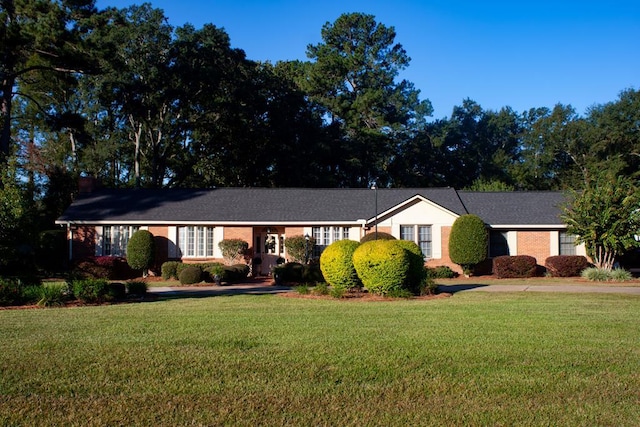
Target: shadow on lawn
[[452, 289], [194, 292]]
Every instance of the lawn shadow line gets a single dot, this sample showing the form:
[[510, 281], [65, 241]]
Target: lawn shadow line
[[452, 289]]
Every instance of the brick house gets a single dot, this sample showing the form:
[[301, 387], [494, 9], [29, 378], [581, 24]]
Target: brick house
[[188, 224]]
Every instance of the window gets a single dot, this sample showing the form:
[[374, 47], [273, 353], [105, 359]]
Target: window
[[325, 236], [195, 241], [567, 243], [421, 235], [115, 239], [498, 244]]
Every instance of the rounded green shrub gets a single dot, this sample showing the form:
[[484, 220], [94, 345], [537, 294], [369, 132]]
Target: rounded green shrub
[[169, 270], [298, 248], [441, 272], [336, 264], [506, 267], [137, 288], [380, 235], [233, 250], [190, 275], [417, 272], [566, 265], [468, 242], [90, 290], [141, 251], [382, 265]]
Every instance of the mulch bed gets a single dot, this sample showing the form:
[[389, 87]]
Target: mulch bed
[[362, 297]]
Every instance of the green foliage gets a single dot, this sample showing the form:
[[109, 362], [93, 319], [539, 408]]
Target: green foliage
[[137, 288], [235, 272], [233, 250], [380, 235], [468, 242], [382, 265], [141, 251], [321, 288], [417, 271], [507, 266], [566, 265], [336, 264], [302, 289], [605, 217], [596, 274], [441, 272], [169, 269], [10, 291], [337, 292], [621, 275], [190, 275], [299, 248], [90, 290], [116, 291]]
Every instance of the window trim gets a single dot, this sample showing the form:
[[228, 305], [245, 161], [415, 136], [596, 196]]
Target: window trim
[[416, 237], [195, 241]]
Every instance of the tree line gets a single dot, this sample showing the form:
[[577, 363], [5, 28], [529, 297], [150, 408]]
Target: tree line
[[121, 95]]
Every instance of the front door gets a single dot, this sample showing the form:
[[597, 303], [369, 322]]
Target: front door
[[271, 249]]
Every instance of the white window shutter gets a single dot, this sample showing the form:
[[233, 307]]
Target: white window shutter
[[99, 239], [172, 238]]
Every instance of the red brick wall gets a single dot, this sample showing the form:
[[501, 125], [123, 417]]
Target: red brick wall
[[380, 230], [244, 233], [294, 231], [445, 260], [161, 240], [534, 243]]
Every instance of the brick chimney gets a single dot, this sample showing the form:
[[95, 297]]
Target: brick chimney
[[86, 184]]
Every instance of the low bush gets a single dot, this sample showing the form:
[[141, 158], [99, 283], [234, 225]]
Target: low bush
[[235, 273], [190, 275], [299, 248], [566, 265], [337, 292], [90, 290], [429, 287], [303, 289], [31, 294], [320, 288], [233, 250], [417, 272], [137, 288], [10, 291], [399, 293], [116, 292], [516, 266], [602, 275], [103, 267], [336, 264], [53, 294], [213, 272], [169, 270], [441, 272]]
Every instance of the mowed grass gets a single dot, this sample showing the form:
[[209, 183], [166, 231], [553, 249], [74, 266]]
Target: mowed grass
[[472, 359]]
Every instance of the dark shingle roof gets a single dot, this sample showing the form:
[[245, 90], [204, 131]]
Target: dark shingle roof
[[515, 208], [267, 205], [247, 204]]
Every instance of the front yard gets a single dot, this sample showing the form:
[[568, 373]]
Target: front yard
[[474, 359]]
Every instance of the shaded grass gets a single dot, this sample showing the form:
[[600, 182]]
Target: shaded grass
[[475, 359]]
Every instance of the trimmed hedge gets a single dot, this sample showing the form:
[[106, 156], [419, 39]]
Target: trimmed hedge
[[137, 288], [517, 266], [566, 265], [141, 251], [380, 236], [235, 272], [169, 270], [190, 275], [382, 265], [468, 242], [336, 264], [90, 290], [417, 271], [441, 272]]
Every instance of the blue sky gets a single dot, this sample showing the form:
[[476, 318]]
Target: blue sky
[[522, 54]]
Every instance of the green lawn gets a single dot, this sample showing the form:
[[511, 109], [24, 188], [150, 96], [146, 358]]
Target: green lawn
[[472, 359]]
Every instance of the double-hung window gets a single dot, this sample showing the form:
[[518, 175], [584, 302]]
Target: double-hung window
[[115, 239], [498, 243], [567, 243], [421, 235], [324, 236], [196, 241]]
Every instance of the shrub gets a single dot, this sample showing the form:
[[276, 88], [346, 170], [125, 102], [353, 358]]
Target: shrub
[[90, 290], [169, 270], [141, 251], [103, 267], [303, 289], [441, 272], [399, 293], [417, 272], [10, 291], [515, 266], [116, 291], [382, 265], [596, 274], [566, 265], [137, 288], [31, 294], [53, 294], [213, 270], [337, 292], [336, 264], [312, 273], [468, 242], [321, 288], [429, 287], [235, 272], [620, 275], [233, 250], [190, 275], [380, 235], [299, 248]]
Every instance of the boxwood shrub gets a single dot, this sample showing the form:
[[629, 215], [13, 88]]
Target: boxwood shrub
[[235, 272], [566, 265], [441, 272], [169, 270], [336, 264], [417, 272], [190, 274], [137, 288], [90, 290], [382, 265], [515, 266], [380, 235]]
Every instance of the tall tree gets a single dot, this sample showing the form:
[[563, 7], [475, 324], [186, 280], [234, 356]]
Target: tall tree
[[38, 39], [353, 76]]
